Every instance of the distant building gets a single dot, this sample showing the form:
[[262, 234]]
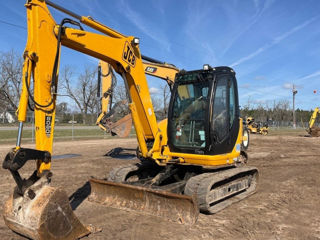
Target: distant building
[[6, 117]]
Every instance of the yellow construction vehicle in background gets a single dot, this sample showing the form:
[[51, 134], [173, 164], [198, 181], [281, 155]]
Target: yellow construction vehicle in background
[[254, 127], [189, 162], [313, 130]]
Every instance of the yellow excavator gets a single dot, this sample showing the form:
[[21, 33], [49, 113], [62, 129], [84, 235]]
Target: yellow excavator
[[313, 130], [192, 161], [254, 127]]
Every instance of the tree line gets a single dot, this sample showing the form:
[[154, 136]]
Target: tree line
[[279, 114]]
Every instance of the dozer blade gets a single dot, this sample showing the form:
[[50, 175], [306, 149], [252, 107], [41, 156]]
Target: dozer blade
[[44, 213], [170, 206], [122, 127]]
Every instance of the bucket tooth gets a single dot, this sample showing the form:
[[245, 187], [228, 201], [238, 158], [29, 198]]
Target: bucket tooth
[[170, 206], [43, 213]]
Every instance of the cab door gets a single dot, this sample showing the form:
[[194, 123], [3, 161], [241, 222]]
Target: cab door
[[224, 115]]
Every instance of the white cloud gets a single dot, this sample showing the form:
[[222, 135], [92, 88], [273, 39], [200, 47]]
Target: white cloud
[[287, 86], [274, 42], [154, 90]]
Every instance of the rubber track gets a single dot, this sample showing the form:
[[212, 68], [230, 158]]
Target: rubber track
[[119, 174], [200, 185]]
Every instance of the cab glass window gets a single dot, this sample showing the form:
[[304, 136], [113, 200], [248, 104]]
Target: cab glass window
[[189, 113], [220, 119]]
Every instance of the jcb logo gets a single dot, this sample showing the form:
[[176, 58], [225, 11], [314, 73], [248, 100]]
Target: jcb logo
[[48, 120], [128, 55], [151, 69]]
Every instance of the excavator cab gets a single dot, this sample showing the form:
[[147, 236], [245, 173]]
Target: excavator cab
[[203, 114]]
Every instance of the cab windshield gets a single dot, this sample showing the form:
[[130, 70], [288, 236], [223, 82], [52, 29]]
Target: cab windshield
[[189, 113]]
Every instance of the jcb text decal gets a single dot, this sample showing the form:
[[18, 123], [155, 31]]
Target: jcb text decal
[[128, 55], [48, 121]]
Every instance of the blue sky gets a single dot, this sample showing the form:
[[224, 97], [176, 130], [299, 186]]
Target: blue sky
[[271, 44]]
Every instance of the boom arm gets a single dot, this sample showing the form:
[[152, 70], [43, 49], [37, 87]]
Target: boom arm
[[106, 79], [313, 117]]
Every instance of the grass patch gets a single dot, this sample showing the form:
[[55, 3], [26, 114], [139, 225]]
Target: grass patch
[[8, 136], [274, 131]]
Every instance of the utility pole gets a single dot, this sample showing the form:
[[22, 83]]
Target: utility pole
[[72, 126], [294, 92]]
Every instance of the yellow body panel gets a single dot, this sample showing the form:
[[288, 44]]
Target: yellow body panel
[[252, 129], [197, 159], [164, 71]]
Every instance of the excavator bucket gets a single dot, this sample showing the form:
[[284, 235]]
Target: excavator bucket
[[122, 127], [315, 132], [170, 206], [43, 213]]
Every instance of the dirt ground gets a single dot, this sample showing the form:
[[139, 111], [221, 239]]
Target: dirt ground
[[286, 205]]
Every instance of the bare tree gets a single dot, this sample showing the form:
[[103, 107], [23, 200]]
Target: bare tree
[[10, 80], [119, 93], [84, 90], [157, 103], [166, 93]]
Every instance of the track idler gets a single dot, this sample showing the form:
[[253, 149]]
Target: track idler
[[43, 212]]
